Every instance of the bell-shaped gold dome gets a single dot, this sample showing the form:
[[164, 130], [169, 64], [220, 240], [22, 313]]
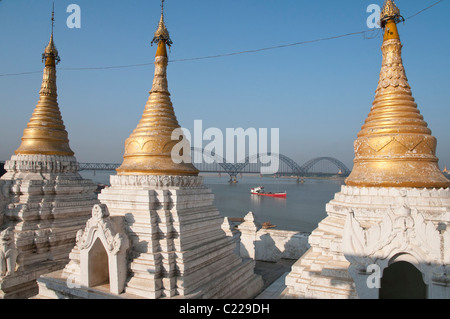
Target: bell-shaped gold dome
[[148, 149], [45, 133], [395, 147]]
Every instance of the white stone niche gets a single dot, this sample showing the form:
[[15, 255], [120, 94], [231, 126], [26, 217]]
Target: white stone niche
[[103, 249]]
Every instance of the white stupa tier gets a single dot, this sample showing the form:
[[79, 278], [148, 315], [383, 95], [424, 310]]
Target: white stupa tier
[[43, 203]]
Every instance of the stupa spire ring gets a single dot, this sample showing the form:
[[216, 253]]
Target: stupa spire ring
[[390, 11]]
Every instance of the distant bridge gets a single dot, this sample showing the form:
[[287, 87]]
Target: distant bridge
[[98, 167], [213, 163]]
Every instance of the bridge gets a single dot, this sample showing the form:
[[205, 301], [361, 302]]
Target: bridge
[[213, 163]]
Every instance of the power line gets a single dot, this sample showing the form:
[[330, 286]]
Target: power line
[[427, 8], [275, 47], [107, 67], [205, 57], [364, 33], [23, 73]]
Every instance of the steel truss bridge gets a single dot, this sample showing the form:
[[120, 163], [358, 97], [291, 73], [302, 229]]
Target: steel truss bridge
[[212, 163]]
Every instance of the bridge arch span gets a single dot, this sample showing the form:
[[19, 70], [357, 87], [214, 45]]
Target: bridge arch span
[[296, 169], [341, 166], [219, 160]]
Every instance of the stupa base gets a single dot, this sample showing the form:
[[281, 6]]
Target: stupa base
[[43, 203], [165, 241], [367, 230]]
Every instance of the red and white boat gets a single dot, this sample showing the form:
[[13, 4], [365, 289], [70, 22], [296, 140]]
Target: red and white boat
[[261, 192]]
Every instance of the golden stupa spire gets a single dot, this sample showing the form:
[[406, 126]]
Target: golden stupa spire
[[45, 133], [148, 149], [395, 147]]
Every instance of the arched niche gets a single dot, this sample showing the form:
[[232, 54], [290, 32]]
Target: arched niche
[[103, 246], [402, 280], [97, 265]]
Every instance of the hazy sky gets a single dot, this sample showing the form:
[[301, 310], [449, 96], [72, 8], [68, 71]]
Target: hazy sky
[[317, 94]]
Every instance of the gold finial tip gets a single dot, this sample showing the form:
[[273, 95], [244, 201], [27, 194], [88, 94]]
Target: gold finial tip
[[162, 34], [390, 11], [51, 51]]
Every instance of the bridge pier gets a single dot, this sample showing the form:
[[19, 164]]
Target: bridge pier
[[233, 179]]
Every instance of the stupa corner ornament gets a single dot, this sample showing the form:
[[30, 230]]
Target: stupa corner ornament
[[8, 252]]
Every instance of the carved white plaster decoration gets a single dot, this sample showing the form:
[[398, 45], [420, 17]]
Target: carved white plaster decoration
[[8, 253], [402, 231], [156, 181], [42, 164], [101, 222]]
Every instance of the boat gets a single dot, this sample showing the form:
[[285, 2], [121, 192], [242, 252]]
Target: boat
[[261, 192], [268, 225]]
